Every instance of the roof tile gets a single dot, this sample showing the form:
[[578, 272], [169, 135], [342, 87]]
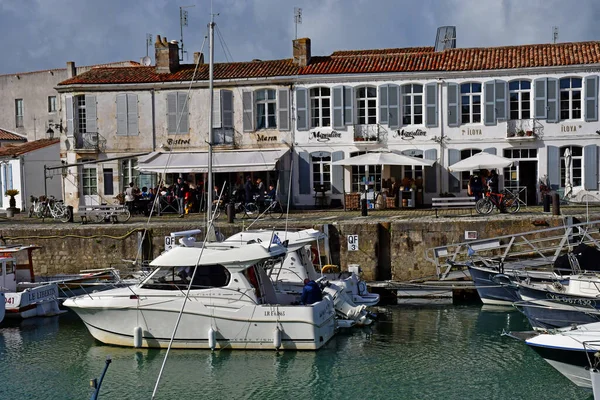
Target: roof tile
[[7, 135], [17, 150]]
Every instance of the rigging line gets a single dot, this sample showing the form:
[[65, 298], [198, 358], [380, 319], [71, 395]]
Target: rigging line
[[289, 196], [187, 294], [156, 201]]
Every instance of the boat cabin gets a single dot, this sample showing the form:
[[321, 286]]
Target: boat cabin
[[17, 265]]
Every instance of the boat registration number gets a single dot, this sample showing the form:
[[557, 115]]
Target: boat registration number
[[274, 313]]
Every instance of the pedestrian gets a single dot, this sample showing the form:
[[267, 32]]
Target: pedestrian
[[180, 189], [130, 197], [260, 191], [248, 189]]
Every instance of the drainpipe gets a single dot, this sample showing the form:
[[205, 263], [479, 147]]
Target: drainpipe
[[441, 163], [153, 120], [23, 184]]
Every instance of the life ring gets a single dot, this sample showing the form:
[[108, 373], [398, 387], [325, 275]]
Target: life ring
[[330, 268], [315, 255]]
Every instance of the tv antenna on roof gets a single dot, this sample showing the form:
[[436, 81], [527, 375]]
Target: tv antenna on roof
[[297, 18], [554, 34], [183, 21], [148, 42]]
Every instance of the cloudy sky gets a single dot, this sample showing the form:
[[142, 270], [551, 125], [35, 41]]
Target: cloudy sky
[[44, 34]]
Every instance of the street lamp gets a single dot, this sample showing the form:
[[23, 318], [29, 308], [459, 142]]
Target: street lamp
[[50, 131]]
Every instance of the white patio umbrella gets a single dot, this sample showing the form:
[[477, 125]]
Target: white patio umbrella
[[384, 158], [481, 160], [568, 183]]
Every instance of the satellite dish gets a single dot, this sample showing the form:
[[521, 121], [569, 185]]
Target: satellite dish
[[147, 61]]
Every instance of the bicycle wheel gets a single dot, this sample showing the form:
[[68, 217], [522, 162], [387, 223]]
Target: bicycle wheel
[[65, 215], [250, 210], [512, 204], [215, 211], [484, 206], [275, 210], [123, 215]]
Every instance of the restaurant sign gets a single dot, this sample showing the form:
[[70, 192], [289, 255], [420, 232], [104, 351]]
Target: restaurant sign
[[324, 136], [178, 142], [408, 135]]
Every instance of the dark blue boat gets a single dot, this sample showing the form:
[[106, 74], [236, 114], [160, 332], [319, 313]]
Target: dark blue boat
[[493, 287]]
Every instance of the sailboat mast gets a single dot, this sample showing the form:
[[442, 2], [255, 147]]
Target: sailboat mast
[[211, 52]]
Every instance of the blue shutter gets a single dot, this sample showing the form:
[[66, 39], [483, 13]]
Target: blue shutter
[[283, 110], [132, 115], [591, 98], [248, 110], [553, 100], [490, 103], [90, 114], [453, 106], [122, 115], [9, 175], [337, 173], [302, 109], [70, 125], [490, 150], [553, 158], [453, 177], [182, 113], [431, 101], [383, 104], [501, 100], [304, 172], [338, 107], [541, 97], [172, 113], [227, 99], [393, 106], [348, 105], [590, 159], [430, 172]]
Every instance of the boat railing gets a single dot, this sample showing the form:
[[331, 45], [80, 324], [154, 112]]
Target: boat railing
[[534, 248], [591, 348]]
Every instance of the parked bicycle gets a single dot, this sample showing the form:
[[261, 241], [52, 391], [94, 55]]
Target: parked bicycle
[[248, 210], [505, 201], [49, 207], [36, 206]]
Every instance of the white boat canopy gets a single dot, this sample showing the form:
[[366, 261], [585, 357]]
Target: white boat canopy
[[384, 158], [481, 160], [223, 161]]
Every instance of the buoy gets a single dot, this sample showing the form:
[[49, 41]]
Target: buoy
[[212, 339], [277, 338], [137, 337]]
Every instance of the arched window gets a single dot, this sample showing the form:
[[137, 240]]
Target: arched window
[[321, 169], [362, 174], [366, 103], [520, 99], [570, 98], [575, 167], [320, 107], [464, 176], [412, 104], [470, 101]]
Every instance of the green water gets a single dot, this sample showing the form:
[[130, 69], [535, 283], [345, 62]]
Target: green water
[[440, 352]]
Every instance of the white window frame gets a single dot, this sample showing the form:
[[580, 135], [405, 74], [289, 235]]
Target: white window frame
[[520, 102], [410, 112], [368, 104], [474, 102], [574, 169], [129, 173], [320, 104], [360, 171], [570, 101], [19, 113], [321, 168], [92, 177], [267, 101], [51, 104], [80, 114]]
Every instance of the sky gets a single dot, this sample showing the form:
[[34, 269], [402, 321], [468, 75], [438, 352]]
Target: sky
[[45, 34]]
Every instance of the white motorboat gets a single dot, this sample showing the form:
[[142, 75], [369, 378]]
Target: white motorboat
[[231, 304], [42, 300]]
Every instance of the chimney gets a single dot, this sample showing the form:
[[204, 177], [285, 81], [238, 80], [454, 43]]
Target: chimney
[[198, 58], [166, 55], [71, 70], [302, 52]]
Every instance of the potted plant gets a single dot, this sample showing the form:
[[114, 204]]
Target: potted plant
[[12, 203], [529, 133], [520, 133]]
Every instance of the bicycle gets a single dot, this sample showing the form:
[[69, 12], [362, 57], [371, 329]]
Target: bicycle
[[50, 207], [117, 214], [35, 209], [505, 200], [247, 209], [274, 209]]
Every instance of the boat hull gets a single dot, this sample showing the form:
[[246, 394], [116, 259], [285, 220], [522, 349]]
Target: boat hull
[[491, 290], [3, 309], [40, 301]]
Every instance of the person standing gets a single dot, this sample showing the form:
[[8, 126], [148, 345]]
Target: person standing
[[130, 197], [248, 188], [180, 189], [261, 190]]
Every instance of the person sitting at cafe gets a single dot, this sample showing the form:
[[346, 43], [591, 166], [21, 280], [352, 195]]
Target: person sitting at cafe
[[272, 193], [145, 193]]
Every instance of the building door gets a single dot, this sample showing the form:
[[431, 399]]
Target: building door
[[528, 177], [89, 184]]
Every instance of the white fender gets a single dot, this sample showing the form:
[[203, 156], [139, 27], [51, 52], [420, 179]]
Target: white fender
[[137, 337], [212, 339], [277, 338]]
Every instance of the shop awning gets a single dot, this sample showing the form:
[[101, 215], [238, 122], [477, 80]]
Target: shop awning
[[223, 161]]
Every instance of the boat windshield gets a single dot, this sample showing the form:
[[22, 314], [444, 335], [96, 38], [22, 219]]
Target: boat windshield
[[178, 278]]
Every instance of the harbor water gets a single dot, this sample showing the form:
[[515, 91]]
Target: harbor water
[[414, 352]]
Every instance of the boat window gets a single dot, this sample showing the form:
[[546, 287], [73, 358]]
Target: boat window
[[10, 267], [178, 278], [251, 275]]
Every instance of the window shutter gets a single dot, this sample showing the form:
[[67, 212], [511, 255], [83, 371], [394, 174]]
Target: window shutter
[[337, 173], [431, 101], [590, 159], [182, 112], [302, 109], [227, 103], [541, 110], [172, 113], [453, 177], [453, 106], [490, 103], [217, 110], [90, 114], [283, 112], [9, 175], [338, 107], [501, 100], [121, 114], [394, 106], [383, 104], [591, 98], [248, 110], [490, 150], [552, 100], [70, 124], [132, 115], [430, 172], [348, 105], [304, 172], [553, 166]]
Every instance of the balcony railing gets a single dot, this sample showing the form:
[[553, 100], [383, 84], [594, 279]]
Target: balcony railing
[[522, 129], [223, 136], [89, 141], [367, 133]]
